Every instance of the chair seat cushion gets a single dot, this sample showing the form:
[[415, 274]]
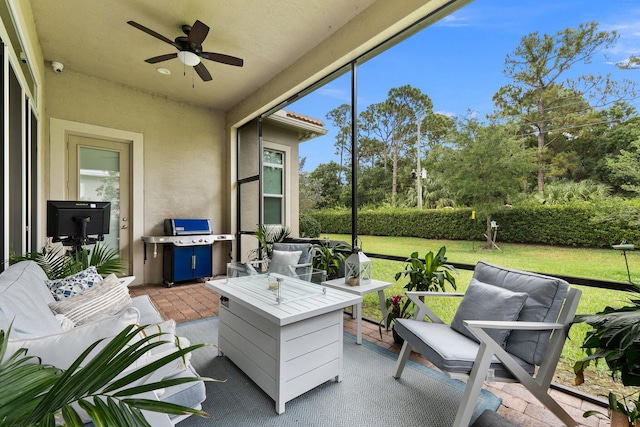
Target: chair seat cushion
[[449, 350], [486, 302], [190, 394]]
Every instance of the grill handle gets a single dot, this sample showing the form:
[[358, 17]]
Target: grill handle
[[193, 262]]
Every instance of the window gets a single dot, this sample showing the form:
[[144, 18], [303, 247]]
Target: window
[[273, 186]]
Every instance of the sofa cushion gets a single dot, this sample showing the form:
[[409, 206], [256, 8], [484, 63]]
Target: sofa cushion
[[101, 300], [546, 296], [62, 349], [149, 314], [24, 300], [486, 302], [74, 284]]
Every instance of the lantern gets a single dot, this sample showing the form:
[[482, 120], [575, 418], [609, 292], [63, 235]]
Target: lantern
[[357, 266]]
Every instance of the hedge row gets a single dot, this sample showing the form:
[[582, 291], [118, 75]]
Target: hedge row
[[582, 225]]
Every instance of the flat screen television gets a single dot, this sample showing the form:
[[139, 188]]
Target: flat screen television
[[73, 222]]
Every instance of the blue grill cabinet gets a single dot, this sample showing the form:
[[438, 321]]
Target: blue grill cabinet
[[186, 263]]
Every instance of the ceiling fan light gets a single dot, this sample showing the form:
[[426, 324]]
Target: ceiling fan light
[[188, 58]]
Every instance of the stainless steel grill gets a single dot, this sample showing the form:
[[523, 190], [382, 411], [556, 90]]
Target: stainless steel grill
[[187, 253]]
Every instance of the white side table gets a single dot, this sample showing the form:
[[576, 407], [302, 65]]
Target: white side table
[[361, 290]]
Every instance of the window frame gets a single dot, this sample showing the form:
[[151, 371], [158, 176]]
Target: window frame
[[286, 180]]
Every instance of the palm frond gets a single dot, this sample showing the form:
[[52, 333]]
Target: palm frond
[[105, 386]]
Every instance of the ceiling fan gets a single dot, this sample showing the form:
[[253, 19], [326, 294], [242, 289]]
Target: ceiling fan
[[190, 49]]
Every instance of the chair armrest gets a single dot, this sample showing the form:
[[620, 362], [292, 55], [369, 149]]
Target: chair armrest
[[417, 294], [424, 311], [126, 280], [306, 264], [524, 326]]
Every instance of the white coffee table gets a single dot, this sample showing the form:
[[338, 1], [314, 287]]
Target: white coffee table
[[361, 290], [287, 341]]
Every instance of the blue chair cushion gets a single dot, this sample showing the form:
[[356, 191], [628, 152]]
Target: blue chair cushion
[[546, 296], [487, 302]]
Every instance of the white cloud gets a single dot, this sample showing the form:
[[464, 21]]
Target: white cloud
[[455, 20], [446, 113], [340, 94]]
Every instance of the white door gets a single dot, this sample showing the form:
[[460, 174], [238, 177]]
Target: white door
[[99, 170]]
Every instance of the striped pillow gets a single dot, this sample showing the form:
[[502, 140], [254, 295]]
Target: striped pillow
[[101, 300]]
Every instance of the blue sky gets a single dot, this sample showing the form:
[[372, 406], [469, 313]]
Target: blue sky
[[458, 61]]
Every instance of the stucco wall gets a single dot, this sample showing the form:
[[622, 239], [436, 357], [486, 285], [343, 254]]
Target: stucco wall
[[279, 138], [184, 152]]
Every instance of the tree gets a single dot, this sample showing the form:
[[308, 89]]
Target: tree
[[341, 118], [483, 166], [310, 190], [328, 177], [626, 167], [619, 127], [376, 123], [546, 104]]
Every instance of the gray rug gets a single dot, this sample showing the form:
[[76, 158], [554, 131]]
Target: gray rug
[[367, 396]]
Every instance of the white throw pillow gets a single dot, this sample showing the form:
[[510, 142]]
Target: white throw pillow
[[61, 350], [106, 298], [71, 285], [285, 257], [284, 262]]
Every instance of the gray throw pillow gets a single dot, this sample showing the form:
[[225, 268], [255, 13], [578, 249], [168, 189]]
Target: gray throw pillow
[[487, 302]]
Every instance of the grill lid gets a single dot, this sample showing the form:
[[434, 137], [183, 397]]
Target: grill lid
[[186, 226]]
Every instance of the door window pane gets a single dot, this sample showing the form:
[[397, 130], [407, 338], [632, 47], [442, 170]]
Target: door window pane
[[99, 180]]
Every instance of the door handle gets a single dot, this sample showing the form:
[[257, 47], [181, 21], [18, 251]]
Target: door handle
[[124, 226]]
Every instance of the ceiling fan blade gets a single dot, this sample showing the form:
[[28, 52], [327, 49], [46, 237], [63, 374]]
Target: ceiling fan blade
[[153, 33], [224, 59], [203, 72], [198, 33], [161, 58]]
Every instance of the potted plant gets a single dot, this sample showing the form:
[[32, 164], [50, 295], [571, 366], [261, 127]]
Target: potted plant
[[430, 275], [614, 338], [267, 235], [398, 307], [329, 256], [621, 414], [354, 280], [35, 394]]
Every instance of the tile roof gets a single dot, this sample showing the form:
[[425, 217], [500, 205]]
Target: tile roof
[[304, 118]]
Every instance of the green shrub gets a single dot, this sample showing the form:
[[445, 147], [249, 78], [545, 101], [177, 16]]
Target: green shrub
[[580, 224], [309, 226]]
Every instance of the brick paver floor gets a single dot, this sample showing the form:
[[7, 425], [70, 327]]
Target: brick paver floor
[[193, 301]]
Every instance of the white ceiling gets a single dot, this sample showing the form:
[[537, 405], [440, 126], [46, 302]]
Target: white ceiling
[[92, 37]]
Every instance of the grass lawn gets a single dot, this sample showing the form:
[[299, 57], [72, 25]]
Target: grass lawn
[[605, 264]]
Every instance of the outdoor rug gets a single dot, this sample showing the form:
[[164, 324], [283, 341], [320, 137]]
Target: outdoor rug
[[367, 396]]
